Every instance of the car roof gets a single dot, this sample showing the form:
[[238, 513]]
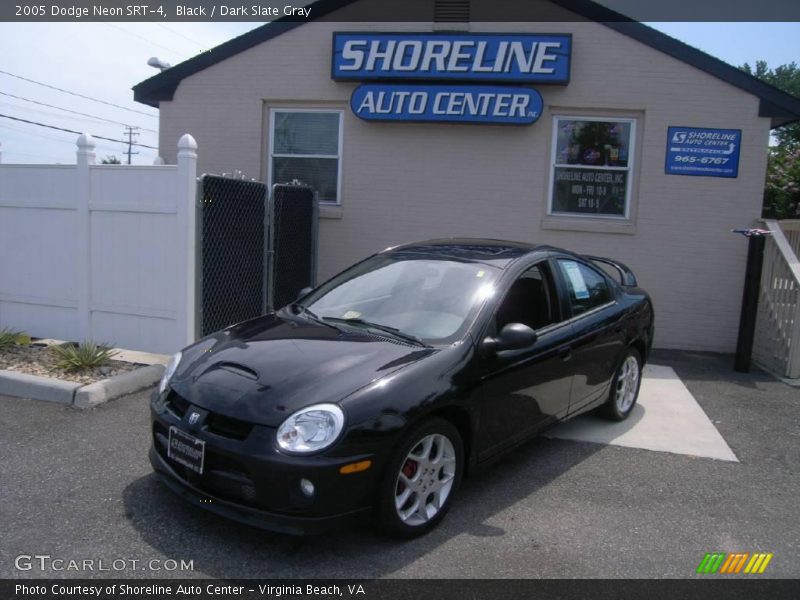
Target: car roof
[[496, 252]]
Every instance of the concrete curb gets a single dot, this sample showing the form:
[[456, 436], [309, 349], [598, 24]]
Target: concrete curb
[[70, 393], [37, 388], [108, 389]]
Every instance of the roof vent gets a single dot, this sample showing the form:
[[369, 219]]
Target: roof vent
[[451, 11]]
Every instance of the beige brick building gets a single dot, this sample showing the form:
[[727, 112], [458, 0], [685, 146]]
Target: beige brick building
[[392, 182]]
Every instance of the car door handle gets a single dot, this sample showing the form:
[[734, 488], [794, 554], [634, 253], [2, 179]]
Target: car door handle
[[565, 352]]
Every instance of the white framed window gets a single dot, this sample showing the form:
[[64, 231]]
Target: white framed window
[[306, 144], [591, 167]]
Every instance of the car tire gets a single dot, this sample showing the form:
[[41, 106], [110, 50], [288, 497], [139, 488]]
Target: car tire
[[624, 387], [421, 479]]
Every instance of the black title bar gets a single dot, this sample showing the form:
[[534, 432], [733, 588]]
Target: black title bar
[[394, 10], [710, 588]]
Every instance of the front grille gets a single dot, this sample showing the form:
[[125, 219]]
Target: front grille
[[229, 486], [222, 476], [218, 424], [227, 427], [176, 404]]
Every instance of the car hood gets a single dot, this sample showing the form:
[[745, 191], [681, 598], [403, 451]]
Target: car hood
[[264, 369]]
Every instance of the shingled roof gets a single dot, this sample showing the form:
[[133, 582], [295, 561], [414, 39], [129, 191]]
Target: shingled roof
[[781, 108]]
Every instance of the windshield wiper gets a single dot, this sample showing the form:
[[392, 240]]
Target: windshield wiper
[[385, 328], [302, 310]]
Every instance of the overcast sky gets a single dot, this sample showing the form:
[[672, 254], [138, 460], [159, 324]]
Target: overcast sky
[[104, 60]]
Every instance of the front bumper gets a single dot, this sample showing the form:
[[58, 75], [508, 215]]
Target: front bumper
[[280, 523], [246, 480]]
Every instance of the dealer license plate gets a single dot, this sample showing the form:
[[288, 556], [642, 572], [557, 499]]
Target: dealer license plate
[[186, 449]]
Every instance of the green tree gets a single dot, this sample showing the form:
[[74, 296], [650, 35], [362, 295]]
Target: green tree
[[111, 160], [782, 189], [786, 78]]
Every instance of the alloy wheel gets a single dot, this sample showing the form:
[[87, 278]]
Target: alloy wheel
[[627, 384], [425, 480]]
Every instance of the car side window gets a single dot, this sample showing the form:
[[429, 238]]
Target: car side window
[[528, 301], [587, 288]]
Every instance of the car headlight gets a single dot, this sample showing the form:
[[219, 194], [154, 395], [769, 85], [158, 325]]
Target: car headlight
[[311, 429], [172, 365]]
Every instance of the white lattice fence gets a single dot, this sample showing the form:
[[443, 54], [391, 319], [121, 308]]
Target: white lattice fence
[[791, 229], [777, 341]]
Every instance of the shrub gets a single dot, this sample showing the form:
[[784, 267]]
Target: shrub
[[83, 356], [9, 337]]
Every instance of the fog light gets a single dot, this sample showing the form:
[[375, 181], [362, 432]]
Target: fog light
[[307, 488]]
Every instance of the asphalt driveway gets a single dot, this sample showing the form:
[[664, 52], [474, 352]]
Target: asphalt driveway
[[77, 485]]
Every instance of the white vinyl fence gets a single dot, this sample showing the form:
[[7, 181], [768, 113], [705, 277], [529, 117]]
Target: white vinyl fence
[[100, 252], [777, 341]]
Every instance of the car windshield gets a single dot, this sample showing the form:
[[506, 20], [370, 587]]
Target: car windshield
[[433, 300]]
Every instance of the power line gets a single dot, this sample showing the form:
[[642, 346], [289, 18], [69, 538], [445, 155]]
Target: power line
[[136, 35], [37, 113], [48, 116], [99, 137], [186, 37], [52, 137], [41, 134], [52, 87], [75, 112]]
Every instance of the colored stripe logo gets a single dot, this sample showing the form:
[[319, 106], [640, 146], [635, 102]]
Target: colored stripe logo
[[734, 563]]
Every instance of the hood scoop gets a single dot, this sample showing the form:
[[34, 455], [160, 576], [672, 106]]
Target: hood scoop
[[234, 368]]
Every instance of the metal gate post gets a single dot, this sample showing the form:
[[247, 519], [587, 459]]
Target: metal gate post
[[269, 246], [314, 239], [747, 319], [198, 258]]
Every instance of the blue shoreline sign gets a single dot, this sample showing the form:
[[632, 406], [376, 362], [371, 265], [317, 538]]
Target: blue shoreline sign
[[486, 57], [703, 152], [447, 103]]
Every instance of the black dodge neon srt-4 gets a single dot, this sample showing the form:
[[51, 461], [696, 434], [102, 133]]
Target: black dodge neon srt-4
[[377, 391]]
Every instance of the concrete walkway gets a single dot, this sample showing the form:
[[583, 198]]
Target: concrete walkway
[[666, 418]]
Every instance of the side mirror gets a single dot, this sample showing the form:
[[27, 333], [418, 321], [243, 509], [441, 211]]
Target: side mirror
[[513, 336], [304, 292]]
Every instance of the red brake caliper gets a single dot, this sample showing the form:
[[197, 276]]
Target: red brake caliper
[[409, 470]]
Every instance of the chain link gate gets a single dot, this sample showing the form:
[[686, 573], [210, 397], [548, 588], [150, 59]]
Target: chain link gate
[[293, 231], [254, 252], [231, 250]]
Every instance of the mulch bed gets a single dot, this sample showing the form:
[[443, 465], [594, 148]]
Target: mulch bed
[[40, 360]]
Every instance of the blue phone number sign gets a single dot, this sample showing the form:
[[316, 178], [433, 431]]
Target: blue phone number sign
[[703, 152]]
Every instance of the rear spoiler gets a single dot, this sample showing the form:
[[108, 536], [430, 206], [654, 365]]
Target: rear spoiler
[[626, 276]]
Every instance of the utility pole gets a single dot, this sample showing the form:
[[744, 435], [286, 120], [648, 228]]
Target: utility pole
[[133, 134]]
